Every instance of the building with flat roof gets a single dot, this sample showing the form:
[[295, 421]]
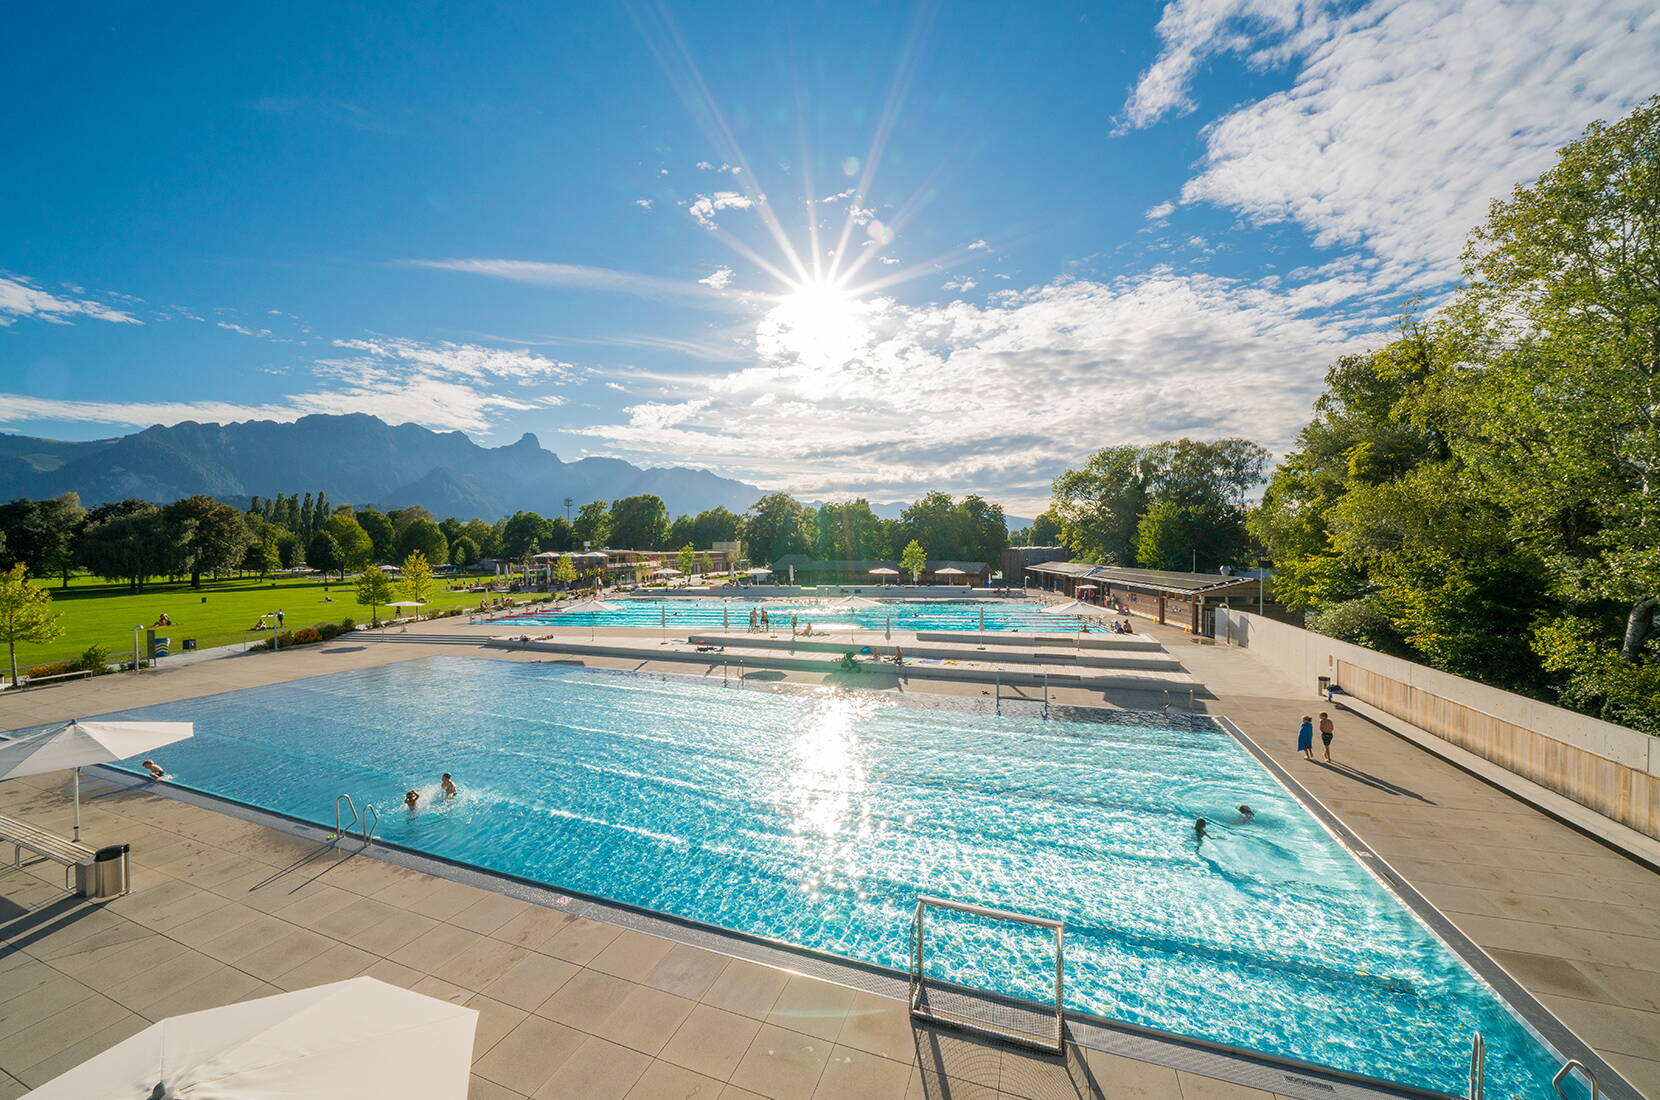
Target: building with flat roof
[[1163, 595]]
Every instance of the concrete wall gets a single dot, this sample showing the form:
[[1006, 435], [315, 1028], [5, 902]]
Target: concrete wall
[[1608, 768]]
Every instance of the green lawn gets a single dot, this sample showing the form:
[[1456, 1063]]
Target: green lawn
[[218, 613]]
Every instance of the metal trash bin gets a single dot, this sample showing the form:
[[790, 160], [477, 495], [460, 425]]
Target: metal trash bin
[[106, 876], [1325, 687], [189, 644]]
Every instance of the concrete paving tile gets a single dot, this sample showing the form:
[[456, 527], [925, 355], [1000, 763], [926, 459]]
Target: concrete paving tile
[[1643, 1074], [632, 955], [406, 977], [41, 1003], [1195, 1087], [11, 1088], [1128, 1079], [110, 966], [167, 904], [531, 980], [782, 1064], [1036, 1076], [495, 1021], [944, 1052], [812, 1007], [733, 1092], [664, 1081], [878, 1025], [533, 927], [433, 948], [77, 1052], [746, 988], [1608, 1027], [529, 1055], [225, 986], [644, 1020], [486, 915], [481, 963], [210, 926], [586, 1000], [284, 953], [687, 971], [482, 1088], [246, 938], [580, 940], [444, 991], [148, 986], [337, 962], [598, 1070], [59, 1031], [852, 1072], [926, 1085], [711, 1041]]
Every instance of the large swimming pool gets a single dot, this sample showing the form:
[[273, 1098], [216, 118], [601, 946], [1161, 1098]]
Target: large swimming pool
[[691, 613], [818, 818]]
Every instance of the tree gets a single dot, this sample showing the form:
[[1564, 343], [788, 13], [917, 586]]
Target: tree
[[374, 588], [564, 571], [416, 582], [688, 559], [126, 540], [261, 557], [914, 560], [1099, 505], [463, 551], [210, 537], [715, 525], [402, 517], [561, 535], [522, 535], [593, 524], [381, 534], [41, 534], [639, 523], [423, 536], [847, 531], [323, 554], [356, 550], [1044, 531], [775, 525], [26, 613], [483, 536]]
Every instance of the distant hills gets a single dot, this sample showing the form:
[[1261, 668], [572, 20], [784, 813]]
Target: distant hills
[[356, 459]]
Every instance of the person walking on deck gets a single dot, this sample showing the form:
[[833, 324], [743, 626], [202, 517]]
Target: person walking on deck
[[1305, 737], [1327, 732]]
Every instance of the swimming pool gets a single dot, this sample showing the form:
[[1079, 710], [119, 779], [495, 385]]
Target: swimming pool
[[818, 818], [690, 613]]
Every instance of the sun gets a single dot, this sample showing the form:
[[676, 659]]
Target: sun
[[818, 324]]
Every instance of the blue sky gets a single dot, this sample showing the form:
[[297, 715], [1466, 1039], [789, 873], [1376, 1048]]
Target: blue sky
[[1041, 229]]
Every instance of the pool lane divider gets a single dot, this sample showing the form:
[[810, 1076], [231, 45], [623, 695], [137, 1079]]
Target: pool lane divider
[[1545, 1025], [1257, 1069]]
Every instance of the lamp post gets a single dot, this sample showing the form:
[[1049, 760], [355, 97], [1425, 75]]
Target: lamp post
[[136, 629]]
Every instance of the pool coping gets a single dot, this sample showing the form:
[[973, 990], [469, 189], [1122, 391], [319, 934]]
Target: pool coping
[[1285, 1076]]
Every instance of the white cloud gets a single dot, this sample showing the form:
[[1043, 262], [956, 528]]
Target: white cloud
[[925, 396], [705, 207], [467, 361], [1160, 211], [977, 246], [22, 297], [891, 260], [839, 196], [577, 275], [719, 279], [961, 282], [234, 327], [706, 166], [643, 204], [1405, 118]]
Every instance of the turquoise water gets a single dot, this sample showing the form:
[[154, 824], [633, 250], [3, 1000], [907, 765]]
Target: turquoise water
[[683, 614], [818, 818]]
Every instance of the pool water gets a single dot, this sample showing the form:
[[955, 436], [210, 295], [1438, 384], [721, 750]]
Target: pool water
[[818, 818], [683, 614]]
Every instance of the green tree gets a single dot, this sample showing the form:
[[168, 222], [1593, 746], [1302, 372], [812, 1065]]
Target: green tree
[[593, 524], [522, 535], [356, 549], [423, 536], [688, 559], [126, 540], [323, 554], [26, 613], [209, 537], [483, 536], [416, 582], [776, 525], [564, 571], [261, 557], [847, 531], [380, 531], [561, 536], [1044, 531], [374, 588], [715, 525], [639, 523], [402, 517], [463, 551], [41, 534], [914, 560], [1099, 505]]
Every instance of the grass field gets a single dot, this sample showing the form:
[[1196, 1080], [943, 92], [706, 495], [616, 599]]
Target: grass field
[[218, 613]]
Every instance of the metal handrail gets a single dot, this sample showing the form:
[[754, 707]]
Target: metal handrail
[[1046, 694], [1568, 1067], [368, 829], [356, 820], [1478, 1068], [925, 902]]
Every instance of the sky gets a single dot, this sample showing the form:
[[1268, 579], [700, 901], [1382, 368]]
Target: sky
[[836, 249]]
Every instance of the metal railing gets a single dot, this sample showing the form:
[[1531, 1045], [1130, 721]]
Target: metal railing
[[1567, 1069], [1478, 1068], [370, 829], [356, 820], [1053, 1041]]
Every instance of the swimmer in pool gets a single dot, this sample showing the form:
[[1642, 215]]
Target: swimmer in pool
[[155, 769], [1199, 826], [411, 800], [1247, 815], [446, 786]]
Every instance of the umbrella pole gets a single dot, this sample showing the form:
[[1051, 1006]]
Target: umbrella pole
[[77, 804]]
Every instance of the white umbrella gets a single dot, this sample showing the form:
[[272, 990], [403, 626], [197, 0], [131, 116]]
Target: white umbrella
[[77, 744], [1071, 607], [667, 573], [758, 571], [359, 1039], [949, 571]]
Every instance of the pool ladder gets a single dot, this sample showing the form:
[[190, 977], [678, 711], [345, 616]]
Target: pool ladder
[[362, 822], [1478, 1073]]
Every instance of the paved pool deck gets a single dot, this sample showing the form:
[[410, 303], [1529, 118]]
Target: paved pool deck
[[224, 910]]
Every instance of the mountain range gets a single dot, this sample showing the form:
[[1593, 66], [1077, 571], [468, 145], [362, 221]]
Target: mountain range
[[355, 459]]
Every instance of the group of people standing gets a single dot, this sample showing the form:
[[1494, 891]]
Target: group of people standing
[[1305, 736]]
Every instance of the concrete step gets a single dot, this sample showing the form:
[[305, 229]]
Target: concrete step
[[1014, 639], [1144, 660]]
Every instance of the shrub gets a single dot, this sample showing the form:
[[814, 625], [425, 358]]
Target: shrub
[[55, 668], [347, 626], [95, 660], [328, 630], [306, 635]]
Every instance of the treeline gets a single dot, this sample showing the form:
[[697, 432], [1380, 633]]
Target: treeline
[[1481, 493]]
